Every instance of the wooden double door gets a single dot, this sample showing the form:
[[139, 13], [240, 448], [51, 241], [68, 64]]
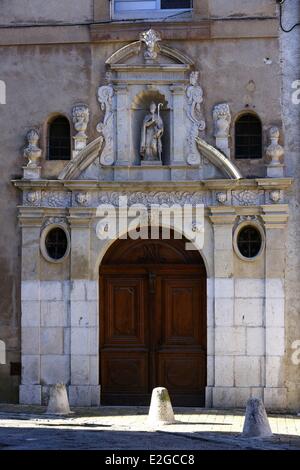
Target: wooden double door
[[152, 323]]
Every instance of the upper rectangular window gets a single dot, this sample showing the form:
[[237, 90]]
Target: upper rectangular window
[[149, 8]]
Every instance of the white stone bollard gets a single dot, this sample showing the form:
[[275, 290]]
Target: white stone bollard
[[256, 420], [161, 411], [58, 400]]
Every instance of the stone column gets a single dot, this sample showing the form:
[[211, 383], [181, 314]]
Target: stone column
[[123, 129], [275, 219], [30, 389], [178, 137], [224, 340], [84, 389]]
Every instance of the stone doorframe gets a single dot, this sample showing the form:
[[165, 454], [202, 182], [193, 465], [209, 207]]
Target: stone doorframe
[[60, 302]]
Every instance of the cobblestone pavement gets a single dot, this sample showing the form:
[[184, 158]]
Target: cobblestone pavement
[[118, 428]]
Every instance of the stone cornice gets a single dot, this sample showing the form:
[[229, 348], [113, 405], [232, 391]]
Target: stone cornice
[[275, 216], [214, 185], [222, 215], [123, 31], [34, 216]]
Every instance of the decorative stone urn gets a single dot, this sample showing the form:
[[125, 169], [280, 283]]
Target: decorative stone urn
[[275, 155], [33, 154]]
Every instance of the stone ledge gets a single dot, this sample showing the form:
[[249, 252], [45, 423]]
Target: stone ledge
[[123, 31]]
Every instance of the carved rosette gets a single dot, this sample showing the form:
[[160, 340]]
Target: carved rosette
[[275, 196], [106, 127], [194, 95], [221, 197], [82, 198]]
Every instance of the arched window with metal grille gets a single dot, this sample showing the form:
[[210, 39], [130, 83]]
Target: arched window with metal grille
[[59, 139], [248, 137]]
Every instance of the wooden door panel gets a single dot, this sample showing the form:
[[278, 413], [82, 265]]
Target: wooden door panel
[[182, 373], [181, 315], [125, 372], [153, 323], [124, 312]]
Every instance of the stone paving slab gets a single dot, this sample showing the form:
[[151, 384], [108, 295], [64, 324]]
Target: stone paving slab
[[28, 427]]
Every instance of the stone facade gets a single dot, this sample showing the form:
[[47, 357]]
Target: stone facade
[[107, 76]]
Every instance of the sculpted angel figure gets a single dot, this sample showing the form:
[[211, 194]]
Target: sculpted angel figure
[[151, 135]]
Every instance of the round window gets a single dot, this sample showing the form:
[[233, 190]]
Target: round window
[[249, 241], [56, 244]]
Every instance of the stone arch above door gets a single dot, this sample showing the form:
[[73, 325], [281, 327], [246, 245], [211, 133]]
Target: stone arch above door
[[152, 322]]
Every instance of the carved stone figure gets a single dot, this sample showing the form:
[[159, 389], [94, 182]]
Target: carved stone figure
[[151, 39], [194, 94], [275, 155], [106, 127], [81, 117], [222, 121], [33, 154], [152, 131]]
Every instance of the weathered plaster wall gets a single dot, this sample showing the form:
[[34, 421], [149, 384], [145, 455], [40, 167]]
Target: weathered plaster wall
[[39, 11], [290, 51], [221, 8]]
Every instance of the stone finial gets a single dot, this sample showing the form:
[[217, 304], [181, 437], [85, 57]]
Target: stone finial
[[161, 411], [222, 121], [151, 39], [58, 400], [275, 155], [81, 116], [33, 154], [256, 420]]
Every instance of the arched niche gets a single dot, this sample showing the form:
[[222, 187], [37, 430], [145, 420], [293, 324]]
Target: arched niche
[[139, 109]]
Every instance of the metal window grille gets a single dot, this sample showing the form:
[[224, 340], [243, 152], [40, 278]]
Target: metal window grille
[[248, 137], [249, 242], [59, 146], [56, 243]]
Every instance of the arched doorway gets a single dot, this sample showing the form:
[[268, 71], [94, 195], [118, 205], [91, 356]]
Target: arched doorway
[[152, 322]]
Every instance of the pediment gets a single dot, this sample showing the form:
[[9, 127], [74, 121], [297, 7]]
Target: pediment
[[135, 53]]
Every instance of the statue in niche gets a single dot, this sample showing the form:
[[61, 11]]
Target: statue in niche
[[152, 131]]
